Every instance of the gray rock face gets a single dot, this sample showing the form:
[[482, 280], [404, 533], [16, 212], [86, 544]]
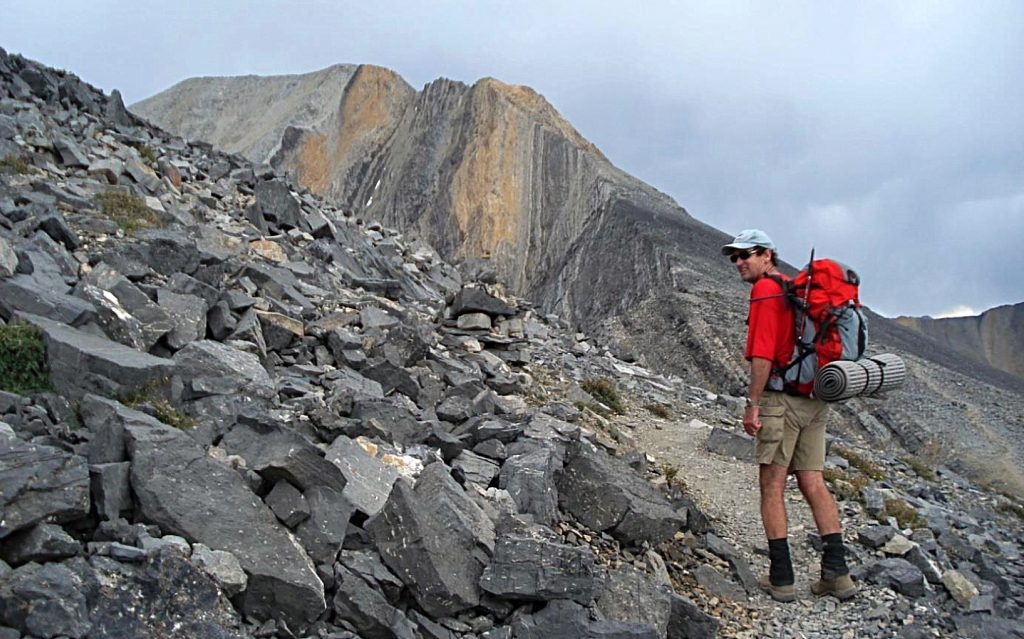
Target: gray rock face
[[277, 452], [45, 601], [367, 609], [40, 483], [731, 444], [898, 574], [436, 540], [165, 596], [185, 492], [212, 368], [323, 533], [604, 494], [40, 543], [368, 480], [530, 478], [631, 595], [536, 569], [564, 619], [82, 363]]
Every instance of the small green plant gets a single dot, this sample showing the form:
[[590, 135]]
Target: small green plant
[[23, 367], [923, 470], [171, 416], [860, 463], [128, 211], [13, 164], [905, 514], [147, 153], [148, 399], [846, 486], [603, 390], [1010, 508], [671, 473], [659, 411]]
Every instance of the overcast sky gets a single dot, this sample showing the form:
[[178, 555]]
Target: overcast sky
[[887, 134]]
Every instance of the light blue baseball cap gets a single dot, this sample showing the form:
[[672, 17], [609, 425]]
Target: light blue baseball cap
[[749, 239]]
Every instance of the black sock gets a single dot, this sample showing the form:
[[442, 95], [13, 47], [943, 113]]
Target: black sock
[[833, 560], [780, 568]]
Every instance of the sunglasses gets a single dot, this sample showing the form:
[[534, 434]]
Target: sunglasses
[[744, 255]]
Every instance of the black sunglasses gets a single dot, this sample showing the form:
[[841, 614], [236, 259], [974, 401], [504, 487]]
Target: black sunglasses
[[744, 255]]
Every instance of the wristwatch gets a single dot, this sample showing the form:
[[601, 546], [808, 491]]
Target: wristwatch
[[749, 402]]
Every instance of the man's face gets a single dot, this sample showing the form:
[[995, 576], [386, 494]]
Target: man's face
[[752, 263]]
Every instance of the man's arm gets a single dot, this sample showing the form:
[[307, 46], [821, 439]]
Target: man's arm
[[760, 370]]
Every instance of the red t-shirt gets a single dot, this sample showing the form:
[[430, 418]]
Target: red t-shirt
[[769, 324]]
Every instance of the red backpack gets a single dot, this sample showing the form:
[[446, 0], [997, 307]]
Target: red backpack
[[829, 322]]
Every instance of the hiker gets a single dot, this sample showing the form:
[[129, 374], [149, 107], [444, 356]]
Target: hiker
[[790, 429]]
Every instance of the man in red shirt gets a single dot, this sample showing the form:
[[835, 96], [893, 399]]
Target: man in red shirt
[[790, 429]]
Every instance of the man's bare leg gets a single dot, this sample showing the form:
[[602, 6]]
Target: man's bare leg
[[823, 505], [773, 508]]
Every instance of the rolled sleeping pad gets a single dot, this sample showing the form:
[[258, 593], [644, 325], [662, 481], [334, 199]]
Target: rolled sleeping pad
[[841, 380]]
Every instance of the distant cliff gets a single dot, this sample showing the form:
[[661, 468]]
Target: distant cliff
[[996, 337], [483, 171]]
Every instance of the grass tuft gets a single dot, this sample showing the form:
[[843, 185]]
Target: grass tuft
[[860, 463], [13, 164], [603, 390], [23, 368], [148, 399], [905, 514], [919, 466], [659, 411], [128, 211]]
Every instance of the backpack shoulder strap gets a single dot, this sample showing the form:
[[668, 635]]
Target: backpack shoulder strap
[[783, 283]]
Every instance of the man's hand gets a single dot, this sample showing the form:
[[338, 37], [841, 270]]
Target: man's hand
[[752, 420]]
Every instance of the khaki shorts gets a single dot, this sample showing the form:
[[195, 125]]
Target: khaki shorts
[[792, 432]]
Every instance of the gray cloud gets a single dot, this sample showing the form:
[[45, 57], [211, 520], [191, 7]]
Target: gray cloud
[[886, 134]]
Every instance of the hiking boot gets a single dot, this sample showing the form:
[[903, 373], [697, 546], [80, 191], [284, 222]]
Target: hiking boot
[[778, 593], [840, 587]]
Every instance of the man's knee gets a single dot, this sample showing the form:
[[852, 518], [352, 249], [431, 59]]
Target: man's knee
[[772, 479], [810, 481]]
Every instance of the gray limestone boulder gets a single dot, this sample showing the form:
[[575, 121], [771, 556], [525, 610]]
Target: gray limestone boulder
[[110, 489], [222, 566], [288, 504], [564, 619], [40, 543], [187, 314], [185, 492], [82, 363], [28, 294], [730, 443], [367, 610], [535, 569], [168, 251], [471, 299], [436, 540], [476, 469], [165, 595], [45, 600], [40, 483], [207, 368], [323, 533], [277, 205], [277, 452], [896, 573], [368, 481], [688, 621], [606, 495], [531, 478], [631, 595]]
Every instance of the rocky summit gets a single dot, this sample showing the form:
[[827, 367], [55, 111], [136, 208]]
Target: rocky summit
[[231, 409]]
